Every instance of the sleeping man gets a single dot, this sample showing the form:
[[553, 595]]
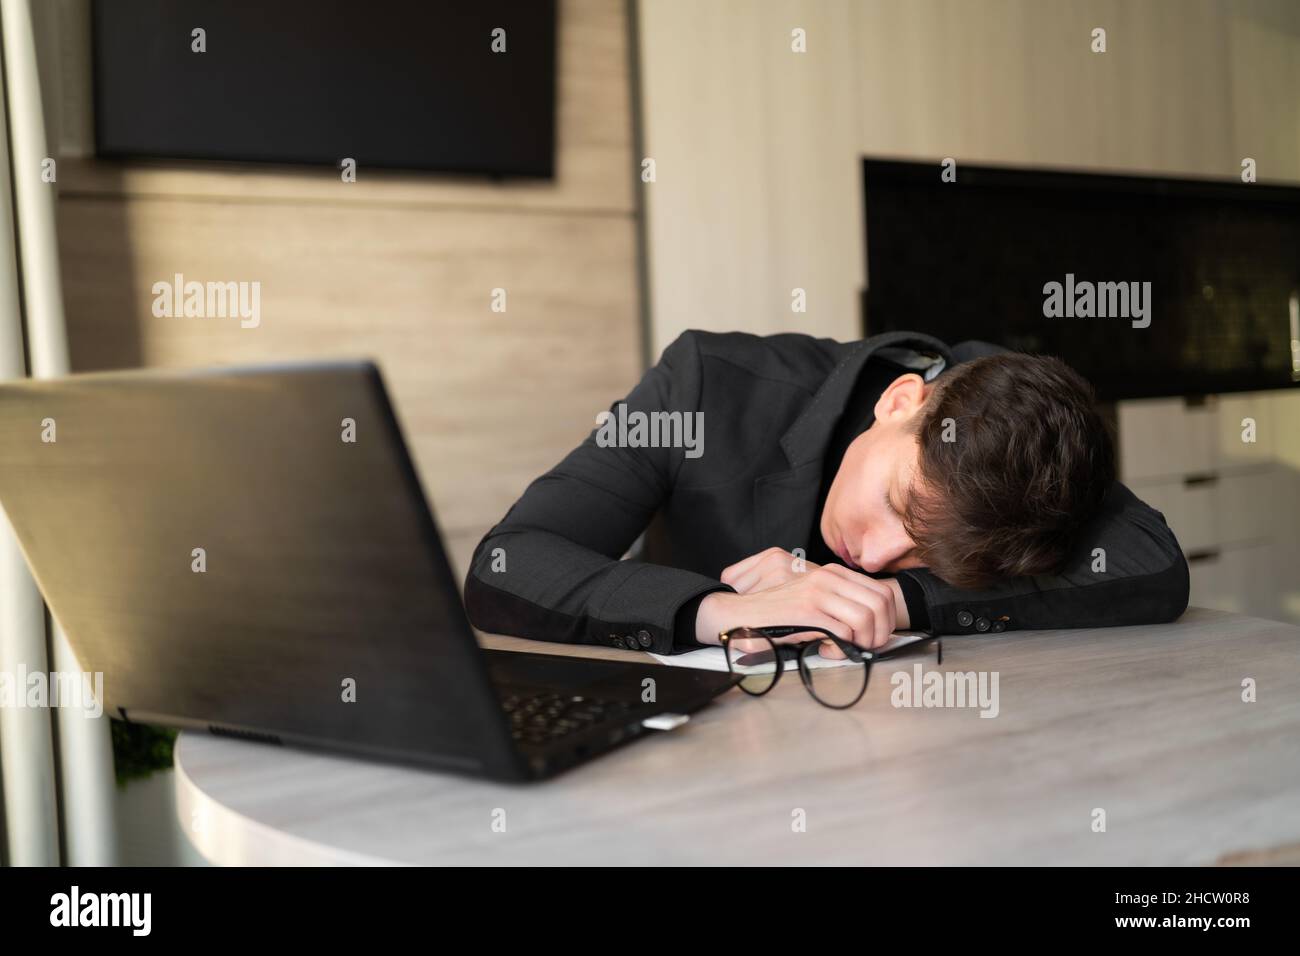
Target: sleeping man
[[865, 487]]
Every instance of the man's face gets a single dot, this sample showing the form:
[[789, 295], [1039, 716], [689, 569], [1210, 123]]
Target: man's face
[[862, 520]]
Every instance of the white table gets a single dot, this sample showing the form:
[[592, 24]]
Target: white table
[[1147, 723]]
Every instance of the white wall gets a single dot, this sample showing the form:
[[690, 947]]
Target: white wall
[[757, 148]]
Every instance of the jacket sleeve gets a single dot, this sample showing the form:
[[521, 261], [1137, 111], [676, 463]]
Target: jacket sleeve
[[550, 570], [1127, 569]]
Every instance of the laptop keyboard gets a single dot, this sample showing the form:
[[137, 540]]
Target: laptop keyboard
[[538, 718]]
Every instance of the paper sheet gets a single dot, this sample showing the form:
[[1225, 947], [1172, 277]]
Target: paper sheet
[[714, 658]]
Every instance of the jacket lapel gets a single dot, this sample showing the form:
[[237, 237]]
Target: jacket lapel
[[784, 503]]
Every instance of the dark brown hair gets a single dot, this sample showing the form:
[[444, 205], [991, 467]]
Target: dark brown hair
[[1027, 463]]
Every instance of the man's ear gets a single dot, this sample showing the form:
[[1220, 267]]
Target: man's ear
[[902, 399]]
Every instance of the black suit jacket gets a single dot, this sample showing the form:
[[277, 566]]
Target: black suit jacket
[[551, 569]]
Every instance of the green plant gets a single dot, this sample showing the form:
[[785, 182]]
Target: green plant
[[140, 749]]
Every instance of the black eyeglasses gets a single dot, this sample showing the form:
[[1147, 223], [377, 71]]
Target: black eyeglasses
[[755, 657]]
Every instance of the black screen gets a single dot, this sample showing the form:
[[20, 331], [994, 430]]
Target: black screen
[[970, 259], [410, 84]]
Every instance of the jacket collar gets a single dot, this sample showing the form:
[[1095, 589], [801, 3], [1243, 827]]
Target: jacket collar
[[806, 440]]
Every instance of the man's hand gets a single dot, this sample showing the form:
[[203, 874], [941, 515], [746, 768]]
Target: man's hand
[[764, 570], [850, 605]]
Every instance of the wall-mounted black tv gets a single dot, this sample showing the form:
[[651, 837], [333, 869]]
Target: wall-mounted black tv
[[976, 259], [403, 84]]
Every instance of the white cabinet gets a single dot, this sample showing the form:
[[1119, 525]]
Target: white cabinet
[[1225, 472], [1162, 438]]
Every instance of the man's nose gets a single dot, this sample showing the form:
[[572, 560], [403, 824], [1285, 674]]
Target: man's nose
[[875, 554]]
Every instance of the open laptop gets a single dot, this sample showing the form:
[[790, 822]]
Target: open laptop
[[213, 545]]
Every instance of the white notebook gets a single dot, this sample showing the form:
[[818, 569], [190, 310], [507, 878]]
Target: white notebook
[[714, 658]]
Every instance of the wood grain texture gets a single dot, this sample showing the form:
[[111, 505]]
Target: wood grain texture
[[398, 268], [488, 400], [1145, 722]]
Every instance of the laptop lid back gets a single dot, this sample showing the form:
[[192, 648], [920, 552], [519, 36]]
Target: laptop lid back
[[249, 550]]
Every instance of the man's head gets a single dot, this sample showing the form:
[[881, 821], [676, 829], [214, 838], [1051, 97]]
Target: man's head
[[987, 472]]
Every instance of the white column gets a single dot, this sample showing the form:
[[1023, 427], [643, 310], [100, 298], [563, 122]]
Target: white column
[[85, 751], [26, 737]]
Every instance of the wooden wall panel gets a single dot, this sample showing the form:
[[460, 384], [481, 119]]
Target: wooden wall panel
[[399, 268]]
